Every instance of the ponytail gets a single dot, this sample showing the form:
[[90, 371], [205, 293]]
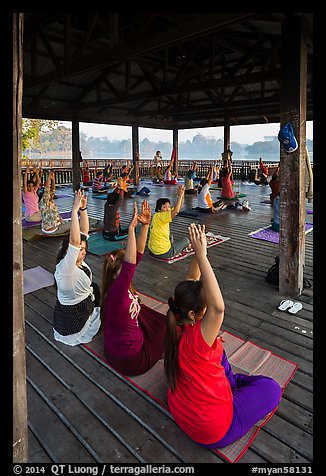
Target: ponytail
[[171, 348], [112, 264], [188, 296]]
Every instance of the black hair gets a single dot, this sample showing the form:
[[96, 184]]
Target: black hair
[[64, 246], [112, 198], [160, 202], [203, 182]]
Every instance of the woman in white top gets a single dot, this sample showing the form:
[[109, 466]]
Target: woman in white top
[[77, 312], [205, 202]]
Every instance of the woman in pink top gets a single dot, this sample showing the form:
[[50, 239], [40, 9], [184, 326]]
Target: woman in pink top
[[133, 333], [30, 197], [213, 406]]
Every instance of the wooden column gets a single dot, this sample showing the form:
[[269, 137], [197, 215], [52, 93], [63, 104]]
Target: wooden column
[[75, 155], [292, 165], [135, 154], [175, 143], [20, 429], [227, 143], [227, 154]]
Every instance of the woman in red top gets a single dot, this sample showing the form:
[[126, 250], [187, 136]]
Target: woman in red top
[[213, 406], [226, 172]]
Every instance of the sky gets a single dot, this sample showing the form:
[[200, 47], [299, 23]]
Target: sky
[[241, 134]]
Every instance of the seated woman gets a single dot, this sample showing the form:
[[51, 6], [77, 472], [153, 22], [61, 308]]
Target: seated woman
[[51, 219], [112, 230], [77, 312], [263, 173], [227, 191], [107, 172], [133, 333], [274, 185], [168, 178], [30, 197], [189, 180], [158, 177], [205, 202], [98, 183], [86, 177], [161, 242], [213, 406]]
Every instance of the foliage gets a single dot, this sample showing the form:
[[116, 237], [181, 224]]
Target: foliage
[[32, 130]]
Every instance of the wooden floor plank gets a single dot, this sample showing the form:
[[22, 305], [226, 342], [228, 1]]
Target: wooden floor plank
[[77, 396]]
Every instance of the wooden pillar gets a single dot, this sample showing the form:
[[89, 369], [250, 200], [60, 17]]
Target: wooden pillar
[[227, 143], [292, 165], [175, 143], [227, 154], [20, 429], [76, 156], [135, 155]]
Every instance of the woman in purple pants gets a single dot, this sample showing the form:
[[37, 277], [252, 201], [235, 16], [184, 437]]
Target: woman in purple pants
[[211, 405]]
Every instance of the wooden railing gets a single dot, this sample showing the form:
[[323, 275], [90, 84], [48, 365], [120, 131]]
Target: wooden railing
[[63, 173]]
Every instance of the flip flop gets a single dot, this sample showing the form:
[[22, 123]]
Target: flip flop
[[297, 306], [285, 304]]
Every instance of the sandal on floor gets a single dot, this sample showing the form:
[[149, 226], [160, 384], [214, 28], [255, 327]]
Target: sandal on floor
[[285, 305], [297, 306]]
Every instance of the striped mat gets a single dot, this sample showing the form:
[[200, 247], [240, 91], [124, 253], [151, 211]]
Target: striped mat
[[244, 357], [212, 240]]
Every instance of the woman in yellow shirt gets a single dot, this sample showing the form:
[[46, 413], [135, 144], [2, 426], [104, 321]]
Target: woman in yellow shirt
[[161, 242]]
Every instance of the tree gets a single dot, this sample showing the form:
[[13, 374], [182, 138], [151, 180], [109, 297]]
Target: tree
[[32, 130]]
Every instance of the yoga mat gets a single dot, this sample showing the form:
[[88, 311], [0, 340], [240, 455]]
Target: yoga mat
[[268, 234], [97, 245], [35, 232], [188, 214], [37, 278], [100, 197], [29, 224], [241, 195], [212, 240], [62, 196], [244, 357], [310, 212]]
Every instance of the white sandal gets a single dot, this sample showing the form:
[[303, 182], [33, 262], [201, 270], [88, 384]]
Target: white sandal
[[285, 305], [297, 306]]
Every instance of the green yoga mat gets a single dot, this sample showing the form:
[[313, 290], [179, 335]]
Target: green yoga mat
[[97, 245], [241, 195]]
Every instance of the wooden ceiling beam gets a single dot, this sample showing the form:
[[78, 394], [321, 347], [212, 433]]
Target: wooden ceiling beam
[[202, 25]]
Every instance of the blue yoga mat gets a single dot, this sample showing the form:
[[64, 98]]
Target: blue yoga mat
[[97, 245]]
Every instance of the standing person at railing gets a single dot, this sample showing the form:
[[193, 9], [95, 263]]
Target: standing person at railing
[[158, 159]]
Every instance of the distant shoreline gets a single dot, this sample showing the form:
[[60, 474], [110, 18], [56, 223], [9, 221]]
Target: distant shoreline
[[250, 158]]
